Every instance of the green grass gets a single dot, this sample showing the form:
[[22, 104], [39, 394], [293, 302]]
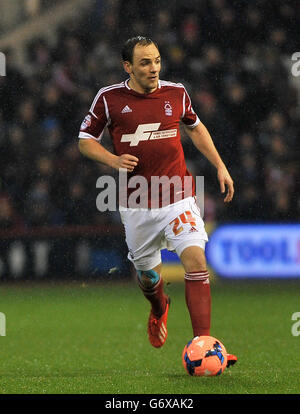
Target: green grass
[[91, 338]]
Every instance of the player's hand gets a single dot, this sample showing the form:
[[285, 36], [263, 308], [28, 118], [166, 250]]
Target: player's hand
[[126, 161], [225, 180]]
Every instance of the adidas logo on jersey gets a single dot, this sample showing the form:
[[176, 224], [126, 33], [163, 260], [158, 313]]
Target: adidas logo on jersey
[[126, 109], [192, 230]]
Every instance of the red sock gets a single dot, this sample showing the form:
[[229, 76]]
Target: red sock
[[198, 300], [156, 297]]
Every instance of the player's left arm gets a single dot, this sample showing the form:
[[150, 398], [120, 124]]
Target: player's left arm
[[204, 143]]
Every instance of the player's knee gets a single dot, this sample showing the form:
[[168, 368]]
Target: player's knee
[[148, 278], [193, 259], [195, 263]]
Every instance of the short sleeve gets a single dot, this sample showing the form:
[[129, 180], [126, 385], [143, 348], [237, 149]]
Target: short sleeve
[[189, 117], [95, 121]]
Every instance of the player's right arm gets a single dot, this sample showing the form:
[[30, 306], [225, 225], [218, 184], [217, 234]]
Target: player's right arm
[[95, 151], [90, 135]]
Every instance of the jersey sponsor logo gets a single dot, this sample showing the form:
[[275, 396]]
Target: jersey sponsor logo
[[126, 109], [86, 122], [145, 132]]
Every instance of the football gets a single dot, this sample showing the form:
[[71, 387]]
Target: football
[[204, 356]]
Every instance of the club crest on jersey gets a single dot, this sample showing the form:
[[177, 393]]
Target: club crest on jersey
[[86, 122], [168, 108]]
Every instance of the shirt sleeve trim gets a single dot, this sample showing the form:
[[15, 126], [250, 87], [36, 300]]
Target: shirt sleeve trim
[[86, 136], [194, 124]]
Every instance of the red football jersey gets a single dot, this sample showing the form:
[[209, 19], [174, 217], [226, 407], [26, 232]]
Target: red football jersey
[[146, 126]]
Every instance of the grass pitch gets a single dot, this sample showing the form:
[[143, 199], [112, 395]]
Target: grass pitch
[[89, 337]]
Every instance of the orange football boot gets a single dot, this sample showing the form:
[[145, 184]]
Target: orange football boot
[[157, 327], [231, 360]]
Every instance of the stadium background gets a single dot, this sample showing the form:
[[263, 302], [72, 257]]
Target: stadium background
[[237, 70], [235, 59]]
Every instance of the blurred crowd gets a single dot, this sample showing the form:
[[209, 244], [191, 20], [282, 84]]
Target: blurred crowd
[[232, 56]]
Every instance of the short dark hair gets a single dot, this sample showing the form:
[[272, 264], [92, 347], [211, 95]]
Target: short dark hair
[[127, 50]]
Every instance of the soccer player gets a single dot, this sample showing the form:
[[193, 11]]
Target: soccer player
[[143, 115]]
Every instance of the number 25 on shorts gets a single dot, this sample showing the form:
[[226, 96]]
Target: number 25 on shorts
[[183, 218]]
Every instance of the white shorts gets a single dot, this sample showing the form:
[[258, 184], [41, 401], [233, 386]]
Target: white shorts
[[174, 227]]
